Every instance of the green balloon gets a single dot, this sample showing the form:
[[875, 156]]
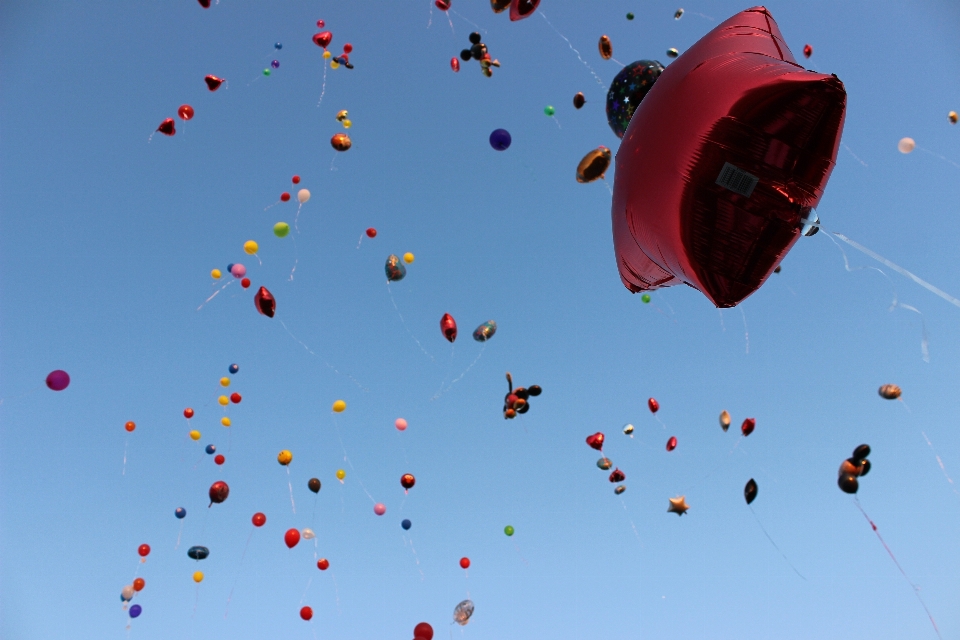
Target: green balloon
[[281, 229], [266, 72], [508, 530], [629, 16], [645, 298], [549, 110]]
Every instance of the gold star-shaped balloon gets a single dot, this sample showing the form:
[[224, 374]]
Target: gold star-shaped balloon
[[678, 506]]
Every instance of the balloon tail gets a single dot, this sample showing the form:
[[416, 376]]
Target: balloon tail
[[618, 62], [915, 588], [296, 259], [307, 588], [296, 219], [336, 592], [782, 554], [215, 294], [855, 157], [179, 535], [232, 587], [451, 23], [333, 161], [125, 442], [633, 526], [350, 462], [360, 240], [416, 558], [404, 323], [196, 601], [329, 366], [572, 48], [937, 155], [746, 332], [723, 327], [430, 21], [475, 25], [522, 559], [290, 486], [323, 89], [939, 462]]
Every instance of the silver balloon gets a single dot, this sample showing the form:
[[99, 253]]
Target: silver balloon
[[462, 612]]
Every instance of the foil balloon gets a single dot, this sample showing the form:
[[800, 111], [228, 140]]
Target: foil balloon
[[499, 6], [606, 47], [724, 420], [265, 302], [462, 612], [750, 491], [579, 100], [594, 165], [748, 426], [596, 441], [198, 553], [167, 127], [341, 141], [485, 331], [617, 476], [323, 39], [218, 492], [713, 193], [455, 64], [627, 91], [520, 9], [807, 51], [449, 327], [395, 269], [890, 392], [213, 82]]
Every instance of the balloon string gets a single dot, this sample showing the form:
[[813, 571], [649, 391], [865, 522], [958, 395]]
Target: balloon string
[[196, 601], [762, 528], [855, 157], [290, 486], [940, 462], [415, 556], [296, 258], [336, 592], [916, 589], [633, 526], [215, 294], [323, 89], [179, 535], [329, 366], [430, 21], [478, 27], [350, 462], [404, 323], [572, 48], [939, 156], [746, 332], [720, 464], [451, 23], [242, 556], [307, 588], [125, 442]]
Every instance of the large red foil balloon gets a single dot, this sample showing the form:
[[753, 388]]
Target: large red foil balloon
[[721, 162], [213, 82], [265, 302], [449, 327], [167, 127], [596, 441], [323, 39], [218, 492], [520, 9]]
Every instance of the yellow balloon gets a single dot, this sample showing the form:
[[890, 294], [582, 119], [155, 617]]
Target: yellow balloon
[[215, 274], [284, 457], [224, 382], [198, 576], [250, 247], [339, 406], [223, 400], [347, 124], [194, 435], [225, 421], [326, 55], [334, 64], [341, 474], [408, 257]]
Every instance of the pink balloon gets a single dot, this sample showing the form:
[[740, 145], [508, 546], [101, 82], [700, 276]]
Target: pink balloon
[[379, 508], [400, 424], [59, 380], [238, 270]]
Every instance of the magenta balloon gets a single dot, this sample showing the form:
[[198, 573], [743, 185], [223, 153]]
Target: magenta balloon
[[58, 380], [238, 270]]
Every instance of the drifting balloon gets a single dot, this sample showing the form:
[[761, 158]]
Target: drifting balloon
[[517, 400], [275, 64], [130, 426], [218, 492], [628, 430], [617, 476], [323, 564], [278, 46], [198, 576], [594, 165], [223, 401], [341, 474], [233, 368], [408, 257], [291, 538], [423, 631], [58, 380], [167, 127], [198, 553], [185, 112], [250, 247], [395, 269], [143, 550], [953, 117], [606, 47], [281, 229], [462, 612], [906, 145], [323, 39], [627, 91], [500, 139], [308, 534], [194, 435], [620, 489], [485, 331], [126, 594], [139, 584], [750, 491], [135, 611], [341, 141], [579, 100], [224, 381], [314, 485], [265, 302], [548, 110], [653, 405], [258, 519], [210, 449], [645, 298], [371, 232], [729, 172], [379, 508], [303, 196], [238, 270], [339, 406], [405, 524], [596, 441], [629, 16], [213, 82], [235, 398], [219, 459], [748, 426], [672, 53], [400, 424], [464, 563], [284, 457], [180, 512], [724, 420], [807, 51], [448, 326], [678, 14], [604, 463], [407, 481], [284, 197], [889, 392], [853, 467], [678, 506], [455, 64], [672, 443], [215, 274]]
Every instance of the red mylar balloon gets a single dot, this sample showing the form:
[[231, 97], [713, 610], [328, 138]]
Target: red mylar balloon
[[213, 82], [258, 519], [449, 327], [455, 64], [465, 563], [265, 302], [653, 405], [713, 194], [807, 51], [218, 492], [167, 127], [443, 5], [672, 443], [284, 197], [320, 24], [185, 112], [235, 398], [143, 550], [748, 426], [407, 480], [219, 459], [204, 3], [291, 537], [322, 39], [371, 233], [423, 631], [323, 564], [596, 441], [306, 613], [188, 413], [617, 476], [520, 9]]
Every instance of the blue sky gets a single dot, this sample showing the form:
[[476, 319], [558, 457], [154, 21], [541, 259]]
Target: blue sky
[[107, 242]]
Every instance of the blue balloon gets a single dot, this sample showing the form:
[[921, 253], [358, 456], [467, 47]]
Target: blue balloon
[[135, 610], [278, 46], [500, 139], [181, 513], [230, 268], [234, 368], [211, 449], [406, 524], [198, 553]]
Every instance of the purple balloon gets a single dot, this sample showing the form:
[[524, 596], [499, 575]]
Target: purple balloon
[[238, 270], [500, 139], [275, 64], [135, 610], [58, 380]]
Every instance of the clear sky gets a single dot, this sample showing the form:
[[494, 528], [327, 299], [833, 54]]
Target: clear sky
[[107, 242]]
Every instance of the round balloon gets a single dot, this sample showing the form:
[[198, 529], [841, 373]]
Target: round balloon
[[198, 576], [379, 508], [185, 112], [284, 457], [314, 485], [627, 90], [58, 380], [400, 424], [406, 524], [143, 550], [180, 512], [303, 195], [508, 530], [339, 406], [423, 631], [465, 563], [250, 247], [306, 613], [139, 584], [291, 538], [259, 519], [323, 564], [500, 139], [130, 426], [281, 229], [135, 611]]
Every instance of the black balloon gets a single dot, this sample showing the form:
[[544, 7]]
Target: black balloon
[[861, 452], [627, 90], [848, 483], [534, 390], [314, 485], [864, 468], [475, 38], [465, 55], [750, 491], [198, 553]]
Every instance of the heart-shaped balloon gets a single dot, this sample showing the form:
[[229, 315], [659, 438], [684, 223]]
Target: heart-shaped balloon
[[166, 127], [323, 39], [596, 441], [213, 82], [748, 426]]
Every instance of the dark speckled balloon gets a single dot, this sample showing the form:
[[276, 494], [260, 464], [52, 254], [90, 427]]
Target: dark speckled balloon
[[627, 90]]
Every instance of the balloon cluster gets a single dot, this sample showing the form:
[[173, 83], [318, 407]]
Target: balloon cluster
[[519, 9], [595, 441], [517, 400], [478, 51], [853, 467], [323, 40]]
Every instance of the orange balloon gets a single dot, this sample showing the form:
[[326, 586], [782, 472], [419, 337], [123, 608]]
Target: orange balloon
[[130, 426], [139, 584]]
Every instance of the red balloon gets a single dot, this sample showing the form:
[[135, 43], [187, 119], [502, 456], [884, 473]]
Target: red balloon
[[258, 519], [371, 233], [58, 380], [320, 24], [465, 563], [218, 492], [713, 194], [322, 39], [423, 631], [167, 128], [596, 441], [188, 413], [672, 443], [219, 459], [748, 426], [245, 283], [347, 47], [295, 179], [617, 476], [443, 5], [143, 550], [284, 197], [139, 584], [235, 398], [185, 112], [204, 3], [407, 480], [449, 327], [213, 82], [130, 426], [323, 564], [291, 537], [520, 9], [265, 302], [654, 405], [306, 613], [807, 51], [455, 64]]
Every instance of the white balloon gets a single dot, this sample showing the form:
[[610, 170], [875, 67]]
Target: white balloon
[[127, 592], [308, 534], [906, 145], [303, 195]]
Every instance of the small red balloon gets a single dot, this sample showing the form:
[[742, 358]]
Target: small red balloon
[[465, 563], [218, 492], [185, 112], [320, 24], [748, 426], [143, 550], [371, 233], [291, 537], [455, 64], [284, 197], [204, 3], [449, 327], [130, 426], [245, 283], [423, 631], [654, 405], [235, 398], [258, 519], [323, 564], [672, 443], [188, 413], [219, 459], [596, 441], [347, 47], [213, 82], [407, 480], [166, 127], [306, 613], [807, 51], [617, 476], [322, 39], [443, 5], [295, 180]]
